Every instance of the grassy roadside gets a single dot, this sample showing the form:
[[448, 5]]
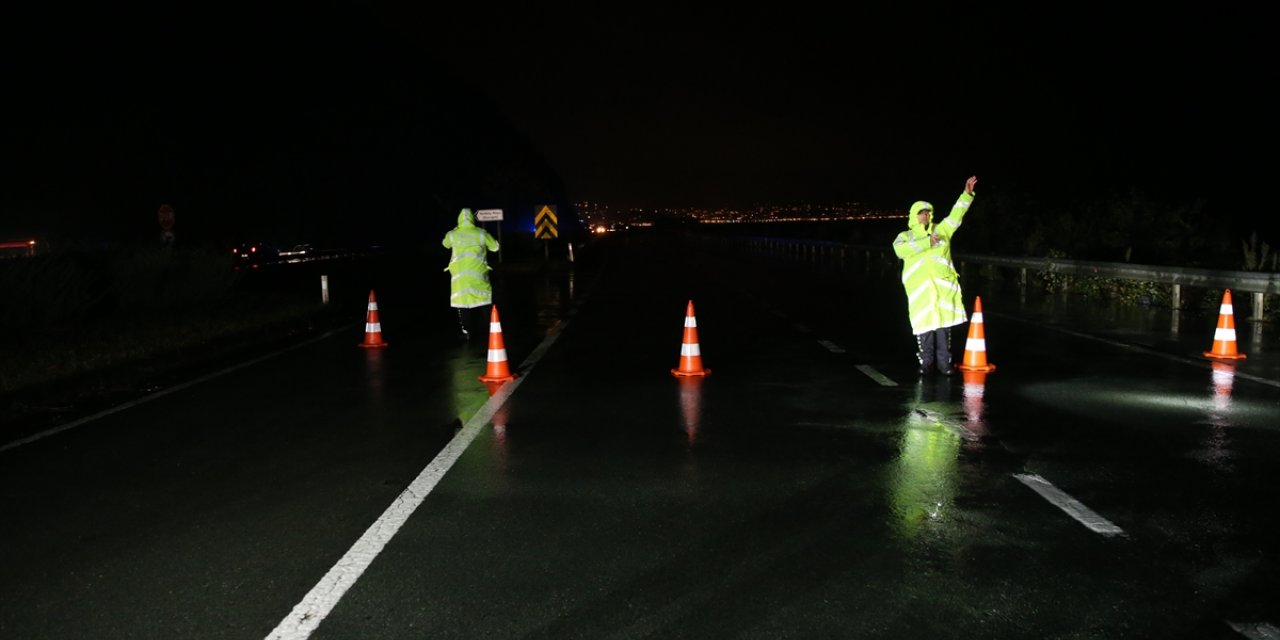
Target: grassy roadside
[[83, 332]]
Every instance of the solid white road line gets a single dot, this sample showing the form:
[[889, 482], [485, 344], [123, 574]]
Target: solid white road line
[[320, 601], [160, 394], [1073, 507]]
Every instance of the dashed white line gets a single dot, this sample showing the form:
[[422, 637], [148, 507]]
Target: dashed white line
[[876, 375], [1071, 506], [1256, 630], [831, 346]]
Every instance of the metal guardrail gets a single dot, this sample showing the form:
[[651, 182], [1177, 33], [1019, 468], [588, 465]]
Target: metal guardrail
[[1251, 281], [1258, 283]]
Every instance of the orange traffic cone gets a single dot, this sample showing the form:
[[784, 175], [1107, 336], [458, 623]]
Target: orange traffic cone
[[1224, 338], [975, 347], [372, 327], [497, 369], [690, 353]]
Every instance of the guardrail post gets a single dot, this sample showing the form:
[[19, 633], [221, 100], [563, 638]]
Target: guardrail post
[[1176, 296], [1257, 305], [1022, 281], [324, 289]]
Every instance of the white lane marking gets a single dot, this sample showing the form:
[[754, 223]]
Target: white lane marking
[[160, 394], [324, 596], [831, 346], [876, 375], [1071, 506], [1256, 630], [306, 616]]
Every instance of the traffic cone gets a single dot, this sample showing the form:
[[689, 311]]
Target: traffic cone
[[1224, 338], [690, 353], [372, 327], [975, 347], [497, 369]]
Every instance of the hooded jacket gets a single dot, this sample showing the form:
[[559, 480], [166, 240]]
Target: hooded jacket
[[469, 282], [934, 299]]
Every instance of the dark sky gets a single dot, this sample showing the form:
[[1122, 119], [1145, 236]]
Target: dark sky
[[349, 106], [787, 103]]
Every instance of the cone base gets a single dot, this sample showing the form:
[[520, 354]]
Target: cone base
[[1219, 356], [367, 345], [685, 374], [489, 378], [983, 368]]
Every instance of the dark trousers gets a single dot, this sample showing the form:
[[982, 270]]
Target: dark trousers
[[473, 321], [933, 348]]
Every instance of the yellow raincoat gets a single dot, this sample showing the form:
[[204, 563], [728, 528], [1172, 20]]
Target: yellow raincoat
[[934, 299], [469, 282]]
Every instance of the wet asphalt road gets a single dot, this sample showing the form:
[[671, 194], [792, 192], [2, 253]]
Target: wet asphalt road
[[1103, 482]]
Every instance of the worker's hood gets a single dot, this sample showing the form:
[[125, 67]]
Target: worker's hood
[[913, 222], [466, 218]]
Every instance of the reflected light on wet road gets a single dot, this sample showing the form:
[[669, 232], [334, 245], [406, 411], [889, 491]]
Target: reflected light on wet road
[[467, 394], [922, 484], [1155, 403], [975, 385], [691, 405], [499, 420], [374, 376], [1216, 448], [1224, 376]]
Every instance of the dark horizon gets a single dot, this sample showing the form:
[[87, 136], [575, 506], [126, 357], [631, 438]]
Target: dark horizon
[[383, 121]]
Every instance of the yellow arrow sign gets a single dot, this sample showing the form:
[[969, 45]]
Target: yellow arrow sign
[[545, 222]]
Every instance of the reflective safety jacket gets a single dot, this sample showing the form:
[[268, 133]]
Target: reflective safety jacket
[[934, 299], [469, 285]]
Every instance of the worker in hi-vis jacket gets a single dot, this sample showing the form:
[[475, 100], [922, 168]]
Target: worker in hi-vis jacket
[[469, 286], [934, 300]]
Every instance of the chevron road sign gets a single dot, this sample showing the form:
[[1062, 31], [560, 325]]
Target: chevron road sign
[[545, 222]]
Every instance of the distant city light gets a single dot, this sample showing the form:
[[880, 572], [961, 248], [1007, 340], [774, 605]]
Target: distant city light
[[598, 215], [18, 247]]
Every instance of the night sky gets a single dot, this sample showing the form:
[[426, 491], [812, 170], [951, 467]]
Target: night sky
[[781, 104], [383, 119]]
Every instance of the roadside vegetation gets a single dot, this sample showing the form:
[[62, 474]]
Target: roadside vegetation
[[70, 314]]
